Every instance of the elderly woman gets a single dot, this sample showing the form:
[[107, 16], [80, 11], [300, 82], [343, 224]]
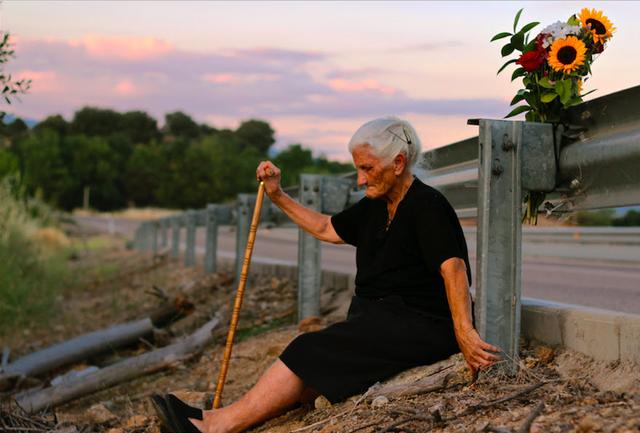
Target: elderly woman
[[411, 305]]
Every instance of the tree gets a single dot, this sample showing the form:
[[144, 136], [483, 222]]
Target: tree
[[292, 161], [139, 127], [16, 129], [94, 166], [92, 121], [10, 88], [179, 124], [631, 218], [256, 133], [8, 163], [55, 123], [146, 172], [43, 167]]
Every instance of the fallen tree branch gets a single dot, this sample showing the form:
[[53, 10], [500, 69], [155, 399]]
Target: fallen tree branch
[[93, 343], [535, 413], [122, 371], [427, 384], [487, 404]]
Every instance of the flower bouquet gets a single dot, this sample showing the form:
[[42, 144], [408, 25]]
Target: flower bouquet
[[553, 66]]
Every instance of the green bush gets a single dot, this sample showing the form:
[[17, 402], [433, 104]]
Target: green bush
[[29, 280]]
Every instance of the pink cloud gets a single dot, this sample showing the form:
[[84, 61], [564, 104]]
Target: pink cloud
[[220, 78], [41, 81], [342, 85], [125, 88], [225, 78], [128, 48]]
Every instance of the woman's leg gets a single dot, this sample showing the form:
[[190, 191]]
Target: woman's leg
[[277, 390]]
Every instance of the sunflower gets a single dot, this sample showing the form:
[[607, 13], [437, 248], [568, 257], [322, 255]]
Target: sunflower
[[567, 54], [598, 24]]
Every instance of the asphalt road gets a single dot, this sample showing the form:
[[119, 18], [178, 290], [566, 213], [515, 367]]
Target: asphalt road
[[598, 275]]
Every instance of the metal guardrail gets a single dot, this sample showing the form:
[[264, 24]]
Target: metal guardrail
[[594, 163]]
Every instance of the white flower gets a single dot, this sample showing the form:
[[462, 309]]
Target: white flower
[[558, 30]]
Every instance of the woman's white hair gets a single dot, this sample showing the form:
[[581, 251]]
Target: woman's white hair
[[388, 137]]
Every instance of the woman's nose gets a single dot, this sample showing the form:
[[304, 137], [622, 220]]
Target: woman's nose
[[362, 179]]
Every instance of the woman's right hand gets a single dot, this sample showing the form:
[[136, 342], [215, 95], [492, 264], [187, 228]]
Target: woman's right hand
[[268, 173]]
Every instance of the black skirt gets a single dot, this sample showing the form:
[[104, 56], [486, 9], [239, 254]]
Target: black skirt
[[379, 338]]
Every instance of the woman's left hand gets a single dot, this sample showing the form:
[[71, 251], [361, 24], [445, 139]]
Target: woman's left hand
[[476, 352]]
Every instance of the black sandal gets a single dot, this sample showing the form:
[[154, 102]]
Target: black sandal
[[180, 412], [160, 406]]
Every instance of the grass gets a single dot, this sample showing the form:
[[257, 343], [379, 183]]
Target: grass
[[28, 282], [32, 272]]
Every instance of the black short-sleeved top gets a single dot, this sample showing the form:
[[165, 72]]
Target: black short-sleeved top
[[405, 258]]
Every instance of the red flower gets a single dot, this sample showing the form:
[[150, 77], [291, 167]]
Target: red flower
[[532, 60], [539, 40]]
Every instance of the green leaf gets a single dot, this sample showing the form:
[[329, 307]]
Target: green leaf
[[520, 72], [526, 81], [517, 41], [531, 100], [529, 46], [518, 110], [548, 97], [515, 21], [546, 83], [566, 92], [519, 97], [573, 20], [506, 50], [559, 89], [506, 64], [528, 27], [500, 36]]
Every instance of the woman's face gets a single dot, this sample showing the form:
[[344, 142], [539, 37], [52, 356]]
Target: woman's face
[[372, 173]]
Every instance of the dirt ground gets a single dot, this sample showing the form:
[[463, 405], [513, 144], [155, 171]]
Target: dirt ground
[[567, 392]]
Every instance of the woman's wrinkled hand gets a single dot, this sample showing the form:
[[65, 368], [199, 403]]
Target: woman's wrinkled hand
[[478, 353], [268, 173]]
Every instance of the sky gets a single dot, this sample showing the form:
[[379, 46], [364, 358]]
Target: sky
[[314, 70]]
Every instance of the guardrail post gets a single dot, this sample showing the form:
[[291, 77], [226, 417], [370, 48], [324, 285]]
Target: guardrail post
[[190, 251], [146, 236], [175, 236], [153, 225], [243, 224], [137, 239], [513, 156], [211, 242], [164, 229], [309, 254]]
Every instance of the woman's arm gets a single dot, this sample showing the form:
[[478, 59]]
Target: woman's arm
[[476, 352], [314, 223]]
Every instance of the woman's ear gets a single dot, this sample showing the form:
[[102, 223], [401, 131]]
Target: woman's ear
[[399, 164]]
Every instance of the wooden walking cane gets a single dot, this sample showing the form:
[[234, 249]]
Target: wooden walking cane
[[239, 294]]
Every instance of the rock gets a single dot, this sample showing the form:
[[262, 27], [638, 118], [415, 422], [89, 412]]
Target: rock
[[99, 414], [136, 421], [587, 425], [321, 402], [545, 354], [379, 401], [310, 324]]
